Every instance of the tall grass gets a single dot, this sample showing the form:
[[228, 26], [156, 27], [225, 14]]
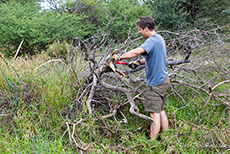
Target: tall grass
[[33, 105]]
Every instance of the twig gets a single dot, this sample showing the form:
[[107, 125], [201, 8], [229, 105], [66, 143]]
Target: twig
[[3, 115], [217, 85], [139, 128], [92, 91], [53, 60], [110, 115], [4, 59], [68, 129], [78, 99], [12, 68], [18, 51], [200, 127], [72, 133], [210, 95]]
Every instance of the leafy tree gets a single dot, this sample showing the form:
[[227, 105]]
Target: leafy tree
[[93, 11], [117, 16], [121, 16], [167, 14], [25, 22], [177, 14], [213, 11], [210, 11]]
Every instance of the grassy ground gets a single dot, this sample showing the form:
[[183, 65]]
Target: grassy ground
[[38, 116]]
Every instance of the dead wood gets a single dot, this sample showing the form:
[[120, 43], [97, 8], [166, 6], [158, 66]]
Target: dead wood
[[133, 108], [74, 138], [100, 71], [197, 61]]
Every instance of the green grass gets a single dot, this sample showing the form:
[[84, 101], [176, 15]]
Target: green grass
[[39, 142], [34, 117]]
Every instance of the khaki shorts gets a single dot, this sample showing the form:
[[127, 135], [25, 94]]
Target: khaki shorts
[[155, 97]]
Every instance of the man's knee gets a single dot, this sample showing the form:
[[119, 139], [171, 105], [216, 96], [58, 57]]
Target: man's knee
[[154, 115]]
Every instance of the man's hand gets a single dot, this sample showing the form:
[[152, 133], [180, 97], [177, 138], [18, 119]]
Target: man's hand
[[134, 64], [115, 57]]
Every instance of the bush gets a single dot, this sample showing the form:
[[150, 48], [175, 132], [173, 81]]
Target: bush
[[59, 49], [38, 29], [115, 18]]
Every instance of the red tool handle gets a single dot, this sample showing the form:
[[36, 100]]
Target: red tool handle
[[122, 63]]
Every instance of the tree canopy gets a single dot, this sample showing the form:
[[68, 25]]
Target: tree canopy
[[65, 20]]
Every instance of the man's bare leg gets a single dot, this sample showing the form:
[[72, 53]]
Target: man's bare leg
[[164, 121], [155, 126]]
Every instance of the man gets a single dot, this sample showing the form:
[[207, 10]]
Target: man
[[158, 82]]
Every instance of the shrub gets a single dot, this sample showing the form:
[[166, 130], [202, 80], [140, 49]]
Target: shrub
[[59, 49], [24, 22]]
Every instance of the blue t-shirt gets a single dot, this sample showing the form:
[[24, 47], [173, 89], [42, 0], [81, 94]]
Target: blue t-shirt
[[155, 60]]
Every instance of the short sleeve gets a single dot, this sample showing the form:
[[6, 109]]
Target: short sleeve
[[148, 45]]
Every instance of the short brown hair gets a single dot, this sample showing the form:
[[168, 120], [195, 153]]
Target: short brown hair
[[143, 22]]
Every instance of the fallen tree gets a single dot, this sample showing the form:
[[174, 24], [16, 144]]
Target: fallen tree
[[197, 60], [97, 76]]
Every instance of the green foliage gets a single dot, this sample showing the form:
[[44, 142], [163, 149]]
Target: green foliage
[[92, 12], [212, 12], [115, 18], [185, 14], [59, 50], [169, 14], [37, 29], [90, 8], [24, 20], [28, 134], [121, 17]]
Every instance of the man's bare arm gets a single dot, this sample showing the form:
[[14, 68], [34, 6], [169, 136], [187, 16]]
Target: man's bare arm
[[133, 53]]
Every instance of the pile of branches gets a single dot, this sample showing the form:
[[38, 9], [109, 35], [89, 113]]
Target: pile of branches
[[197, 60]]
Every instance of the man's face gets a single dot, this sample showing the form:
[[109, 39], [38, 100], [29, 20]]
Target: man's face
[[142, 32]]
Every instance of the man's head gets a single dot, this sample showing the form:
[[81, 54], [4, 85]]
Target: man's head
[[144, 22], [146, 25]]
